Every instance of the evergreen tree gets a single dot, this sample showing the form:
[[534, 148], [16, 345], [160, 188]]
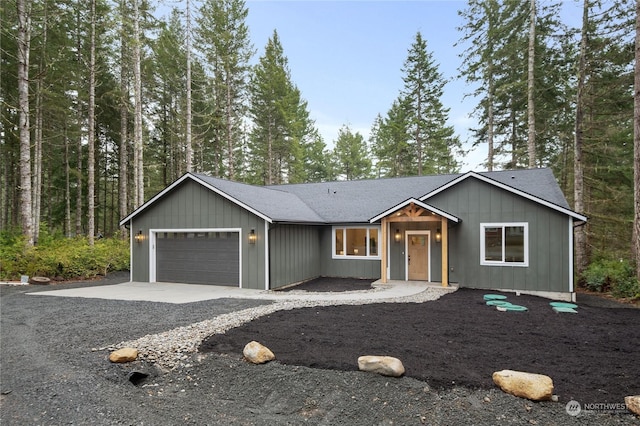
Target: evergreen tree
[[168, 149], [519, 93], [635, 244], [432, 140], [317, 160], [351, 155], [223, 38], [391, 142], [280, 119], [606, 131]]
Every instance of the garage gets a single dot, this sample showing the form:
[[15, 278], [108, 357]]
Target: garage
[[202, 257]]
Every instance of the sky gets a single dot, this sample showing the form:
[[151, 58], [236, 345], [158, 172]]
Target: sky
[[346, 57]]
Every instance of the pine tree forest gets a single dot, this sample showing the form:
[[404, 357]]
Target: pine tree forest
[[103, 104]]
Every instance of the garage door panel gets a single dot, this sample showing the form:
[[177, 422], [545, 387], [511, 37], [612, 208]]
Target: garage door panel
[[198, 258]]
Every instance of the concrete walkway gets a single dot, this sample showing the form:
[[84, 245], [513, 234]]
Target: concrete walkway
[[188, 293]]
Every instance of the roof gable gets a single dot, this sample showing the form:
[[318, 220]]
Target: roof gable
[[268, 204], [560, 206], [364, 201], [425, 206]]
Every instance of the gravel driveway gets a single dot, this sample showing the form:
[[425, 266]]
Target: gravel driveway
[[53, 373]]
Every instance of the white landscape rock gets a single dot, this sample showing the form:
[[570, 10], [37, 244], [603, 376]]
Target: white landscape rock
[[257, 353], [536, 387], [384, 365], [633, 404], [123, 355]]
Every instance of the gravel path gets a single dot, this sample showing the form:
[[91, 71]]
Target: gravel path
[[54, 370]]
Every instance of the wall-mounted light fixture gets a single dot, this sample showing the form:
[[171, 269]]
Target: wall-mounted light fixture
[[252, 236], [398, 236], [139, 237], [438, 235]]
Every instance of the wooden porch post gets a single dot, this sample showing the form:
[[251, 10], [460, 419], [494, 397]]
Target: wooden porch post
[[383, 251], [445, 252]]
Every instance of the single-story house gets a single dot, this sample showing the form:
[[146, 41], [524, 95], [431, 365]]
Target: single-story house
[[504, 230]]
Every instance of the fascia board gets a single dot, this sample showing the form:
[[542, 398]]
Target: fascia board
[[418, 203], [201, 182], [153, 199], [511, 189]]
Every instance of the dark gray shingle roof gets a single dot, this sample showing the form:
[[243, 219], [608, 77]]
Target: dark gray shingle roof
[[279, 206], [360, 200]]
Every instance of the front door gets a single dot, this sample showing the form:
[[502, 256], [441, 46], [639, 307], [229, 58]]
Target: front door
[[418, 257]]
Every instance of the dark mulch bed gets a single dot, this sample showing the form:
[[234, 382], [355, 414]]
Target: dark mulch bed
[[330, 284], [591, 356]]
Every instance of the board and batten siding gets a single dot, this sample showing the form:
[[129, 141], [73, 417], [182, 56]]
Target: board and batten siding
[[295, 254], [192, 206], [476, 202], [347, 268]]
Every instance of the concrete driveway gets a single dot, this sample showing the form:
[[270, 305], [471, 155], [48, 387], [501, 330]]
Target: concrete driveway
[[188, 293]]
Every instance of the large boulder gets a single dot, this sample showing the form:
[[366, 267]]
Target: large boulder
[[385, 365], [257, 353], [633, 404], [124, 355], [536, 387]]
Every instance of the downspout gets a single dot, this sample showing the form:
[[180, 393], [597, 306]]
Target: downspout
[[572, 226], [267, 257]]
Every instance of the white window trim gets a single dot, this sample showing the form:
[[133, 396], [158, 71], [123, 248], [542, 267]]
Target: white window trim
[[344, 242], [502, 225]]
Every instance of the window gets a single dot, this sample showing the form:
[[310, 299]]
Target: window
[[504, 244], [356, 242]]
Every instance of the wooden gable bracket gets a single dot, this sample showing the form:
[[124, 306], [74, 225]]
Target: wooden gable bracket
[[413, 213], [412, 210]]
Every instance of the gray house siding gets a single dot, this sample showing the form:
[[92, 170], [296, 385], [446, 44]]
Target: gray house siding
[[192, 206], [295, 251], [348, 268], [476, 202]]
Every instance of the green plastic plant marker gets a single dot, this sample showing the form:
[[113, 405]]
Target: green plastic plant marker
[[497, 303], [561, 309], [563, 305], [494, 297], [512, 308]]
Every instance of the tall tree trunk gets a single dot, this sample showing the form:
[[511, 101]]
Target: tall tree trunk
[[269, 157], [37, 154], [189, 150], [419, 142], [123, 160], [636, 146], [229, 125], [37, 163], [531, 117], [67, 186], [91, 139], [79, 121], [578, 166], [24, 44], [490, 118], [138, 168]]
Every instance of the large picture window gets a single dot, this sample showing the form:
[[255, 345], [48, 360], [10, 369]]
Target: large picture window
[[504, 244], [356, 242]]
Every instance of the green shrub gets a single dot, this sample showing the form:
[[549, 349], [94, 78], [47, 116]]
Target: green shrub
[[57, 256], [616, 276]]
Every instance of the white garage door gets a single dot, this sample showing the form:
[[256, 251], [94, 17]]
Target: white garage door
[[198, 257]]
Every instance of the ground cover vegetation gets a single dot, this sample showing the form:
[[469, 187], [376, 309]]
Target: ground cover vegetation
[[61, 258], [105, 102]]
